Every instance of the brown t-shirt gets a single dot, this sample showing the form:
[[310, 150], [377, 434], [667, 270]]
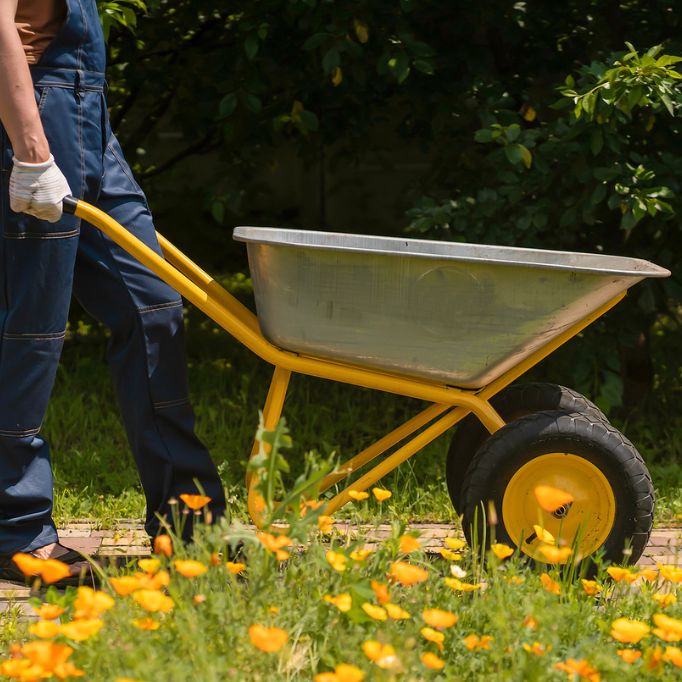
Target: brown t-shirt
[[38, 22]]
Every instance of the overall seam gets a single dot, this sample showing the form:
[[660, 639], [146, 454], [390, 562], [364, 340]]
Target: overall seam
[[159, 306], [122, 165], [41, 235], [11, 336], [43, 98]]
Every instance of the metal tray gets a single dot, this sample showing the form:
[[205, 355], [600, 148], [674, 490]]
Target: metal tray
[[461, 314]]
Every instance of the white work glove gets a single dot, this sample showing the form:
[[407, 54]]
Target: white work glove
[[38, 189]]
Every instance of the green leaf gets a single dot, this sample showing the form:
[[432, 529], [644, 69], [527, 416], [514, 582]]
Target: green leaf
[[596, 142], [251, 45], [315, 41], [668, 104], [228, 104], [484, 135], [218, 211], [424, 66], [331, 60], [667, 60], [518, 153], [310, 121], [513, 132], [252, 103]]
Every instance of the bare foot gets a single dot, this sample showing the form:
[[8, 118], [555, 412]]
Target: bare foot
[[54, 550]]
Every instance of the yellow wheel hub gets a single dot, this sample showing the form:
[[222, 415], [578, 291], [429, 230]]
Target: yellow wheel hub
[[586, 522]]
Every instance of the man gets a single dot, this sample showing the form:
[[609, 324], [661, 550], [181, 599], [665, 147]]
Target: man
[[55, 140]]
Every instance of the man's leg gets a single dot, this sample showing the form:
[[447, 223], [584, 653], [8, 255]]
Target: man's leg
[[146, 351]]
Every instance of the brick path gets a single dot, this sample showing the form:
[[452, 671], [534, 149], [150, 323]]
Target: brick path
[[128, 540]]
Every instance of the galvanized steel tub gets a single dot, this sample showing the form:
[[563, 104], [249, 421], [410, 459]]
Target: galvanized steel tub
[[459, 314]]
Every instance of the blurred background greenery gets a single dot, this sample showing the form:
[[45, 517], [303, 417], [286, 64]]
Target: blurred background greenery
[[551, 125]]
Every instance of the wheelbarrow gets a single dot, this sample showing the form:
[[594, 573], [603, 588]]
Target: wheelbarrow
[[454, 325]]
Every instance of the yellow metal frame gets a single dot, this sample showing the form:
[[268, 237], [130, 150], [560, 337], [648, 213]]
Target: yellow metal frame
[[449, 404]]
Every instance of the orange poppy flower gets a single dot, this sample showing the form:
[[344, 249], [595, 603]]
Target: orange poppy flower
[[149, 565], [198, 599], [668, 629], [671, 573], [673, 654], [268, 639], [433, 636], [382, 655], [550, 499], [530, 622], [374, 612], [325, 524], [408, 543], [146, 623], [629, 631], [49, 611], [591, 587], [195, 502], [431, 661], [473, 642], [189, 568], [501, 551], [275, 544], [618, 574], [555, 555], [152, 582], [343, 672], [459, 586], [343, 602], [629, 655], [536, 648], [664, 599], [235, 567], [550, 585], [46, 655], [581, 668], [336, 560], [50, 570], [380, 592], [544, 535], [125, 585], [45, 629], [381, 494], [407, 574], [358, 495], [80, 630], [396, 612], [649, 574], [152, 600], [163, 545], [360, 554], [91, 604], [437, 618]]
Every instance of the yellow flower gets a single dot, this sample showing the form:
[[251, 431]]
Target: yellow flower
[[336, 560], [673, 654], [473, 642], [649, 574], [668, 629], [581, 668], [91, 604], [190, 568], [45, 629], [664, 599], [629, 631], [374, 612], [50, 570], [555, 555], [380, 592], [536, 648], [343, 672], [146, 623], [195, 501], [149, 565], [431, 661], [267, 639], [395, 612], [407, 574], [49, 611], [275, 544], [448, 555], [343, 602], [456, 584], [325, 524], [618, 574], [125, 585], [671, 573], [360, 554], [408, 543], [80, 630], [358, 495], [501, 551], [163, 545], [273, 609], [550, 499], [629, 655], [382, 655], [381, 494], [544, 535], [550, 585], [455, 544], [152, 600], [515, 580], [437, 618], [433, 636], [235, 567], [591, 587]]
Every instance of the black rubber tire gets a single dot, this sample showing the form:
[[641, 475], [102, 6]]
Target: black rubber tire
[[549, 432], [511, 403]]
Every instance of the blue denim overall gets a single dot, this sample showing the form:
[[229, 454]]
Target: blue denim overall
[[41, 264]]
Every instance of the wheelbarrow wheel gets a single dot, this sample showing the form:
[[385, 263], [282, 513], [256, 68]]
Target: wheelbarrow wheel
[[511, 403], [613, 499]]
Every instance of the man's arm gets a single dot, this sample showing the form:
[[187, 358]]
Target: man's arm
[[18, 109], [36, 185]]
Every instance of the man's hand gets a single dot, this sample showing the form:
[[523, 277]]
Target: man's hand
[[38, 189]]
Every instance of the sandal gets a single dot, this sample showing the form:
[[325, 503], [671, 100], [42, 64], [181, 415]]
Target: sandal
[[10, 571]]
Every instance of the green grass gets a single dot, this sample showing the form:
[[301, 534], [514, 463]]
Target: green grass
[[95, 476]]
